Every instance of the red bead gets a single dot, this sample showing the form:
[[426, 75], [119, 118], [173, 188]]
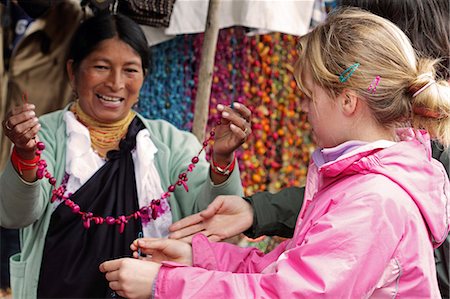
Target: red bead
[[76, 208], [52, 181], [40, 145], [40, 173], [110, 220], [195, 160], [171, 188]]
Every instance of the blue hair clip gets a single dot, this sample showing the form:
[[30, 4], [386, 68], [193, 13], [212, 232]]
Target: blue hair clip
[[348, 72]]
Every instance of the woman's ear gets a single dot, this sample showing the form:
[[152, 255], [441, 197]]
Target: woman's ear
[[349, 102], [70, 72]]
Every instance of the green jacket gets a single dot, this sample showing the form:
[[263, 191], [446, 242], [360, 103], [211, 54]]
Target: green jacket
[[27, 205]]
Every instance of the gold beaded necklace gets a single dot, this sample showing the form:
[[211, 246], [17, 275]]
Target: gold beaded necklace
[[103, 136]]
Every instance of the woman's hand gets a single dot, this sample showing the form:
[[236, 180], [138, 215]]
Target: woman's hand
[[225, 217], [131, 278], [158, 250], [21, 126], [232, 133]]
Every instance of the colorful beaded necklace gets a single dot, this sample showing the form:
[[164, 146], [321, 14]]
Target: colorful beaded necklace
[[151, 210]]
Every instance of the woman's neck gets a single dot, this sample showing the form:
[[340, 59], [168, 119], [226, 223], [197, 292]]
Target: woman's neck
[[104, 137]]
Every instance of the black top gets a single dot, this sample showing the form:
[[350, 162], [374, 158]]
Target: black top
[[72, 253]]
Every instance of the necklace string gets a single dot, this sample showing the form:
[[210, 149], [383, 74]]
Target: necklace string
[[149, 212]]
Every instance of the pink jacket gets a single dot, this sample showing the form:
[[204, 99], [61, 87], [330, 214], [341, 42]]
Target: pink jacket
[[367, 228]]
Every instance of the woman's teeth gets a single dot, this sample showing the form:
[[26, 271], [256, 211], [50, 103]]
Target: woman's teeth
[[109, 99]]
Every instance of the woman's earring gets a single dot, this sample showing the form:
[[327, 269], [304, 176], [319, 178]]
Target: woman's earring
[[74, 94], [136, 105]]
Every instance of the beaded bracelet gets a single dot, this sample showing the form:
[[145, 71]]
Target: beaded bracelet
[[22, 164], [223, 170]]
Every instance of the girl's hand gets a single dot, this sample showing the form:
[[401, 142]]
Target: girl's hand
[[21, 126], [158, 250], [130, 278]]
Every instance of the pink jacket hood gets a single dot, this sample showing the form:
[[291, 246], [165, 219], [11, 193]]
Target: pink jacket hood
[[400, 165]]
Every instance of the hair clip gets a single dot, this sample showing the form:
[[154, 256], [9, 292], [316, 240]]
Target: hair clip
[[428, 75], [348, 72], [373, 85]]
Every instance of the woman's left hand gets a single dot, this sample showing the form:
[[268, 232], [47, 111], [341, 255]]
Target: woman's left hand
[[233, 131], [131, 278]]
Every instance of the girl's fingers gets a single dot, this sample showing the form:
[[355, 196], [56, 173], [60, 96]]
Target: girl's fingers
[[113, 275]]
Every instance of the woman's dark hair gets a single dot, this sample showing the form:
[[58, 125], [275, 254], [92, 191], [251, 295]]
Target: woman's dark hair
[[104, 26], [425, 22]]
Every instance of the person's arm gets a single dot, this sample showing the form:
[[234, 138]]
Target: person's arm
[[441, 254], [261, 214], [442, 155], [20, 201], [298, 267], [275, 214]]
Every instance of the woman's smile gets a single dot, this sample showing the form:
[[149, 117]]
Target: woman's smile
[[108, 80]]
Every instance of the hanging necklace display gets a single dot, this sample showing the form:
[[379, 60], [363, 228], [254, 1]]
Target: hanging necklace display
[[151, 210]]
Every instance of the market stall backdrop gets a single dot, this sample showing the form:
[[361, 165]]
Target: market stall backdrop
[[254, 70]]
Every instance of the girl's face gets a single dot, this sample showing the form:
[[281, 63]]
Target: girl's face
[[108, 80], [324, 114]]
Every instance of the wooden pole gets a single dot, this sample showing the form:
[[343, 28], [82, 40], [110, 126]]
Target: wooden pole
[[206, 71]]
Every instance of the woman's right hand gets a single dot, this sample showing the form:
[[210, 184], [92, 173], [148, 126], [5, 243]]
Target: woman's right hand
[[158, 250], [21, 126]]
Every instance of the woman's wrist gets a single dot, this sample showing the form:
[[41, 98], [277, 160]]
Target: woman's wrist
[[223, 168], [25, 154], [24, 160], [223, 160]]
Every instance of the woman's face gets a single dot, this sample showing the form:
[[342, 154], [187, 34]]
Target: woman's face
[[108, 80]]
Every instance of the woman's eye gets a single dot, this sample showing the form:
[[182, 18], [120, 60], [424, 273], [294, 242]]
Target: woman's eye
[[101, 67], [131, 70]]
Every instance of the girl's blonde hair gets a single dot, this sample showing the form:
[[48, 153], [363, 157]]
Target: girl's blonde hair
[[351, 36]]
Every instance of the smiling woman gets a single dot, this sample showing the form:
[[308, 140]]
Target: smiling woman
[[109, 171]]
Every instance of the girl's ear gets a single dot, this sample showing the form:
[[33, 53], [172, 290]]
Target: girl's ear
[[349, 102]]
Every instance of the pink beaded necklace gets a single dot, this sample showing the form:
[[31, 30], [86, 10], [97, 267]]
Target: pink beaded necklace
[[151, 210]]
